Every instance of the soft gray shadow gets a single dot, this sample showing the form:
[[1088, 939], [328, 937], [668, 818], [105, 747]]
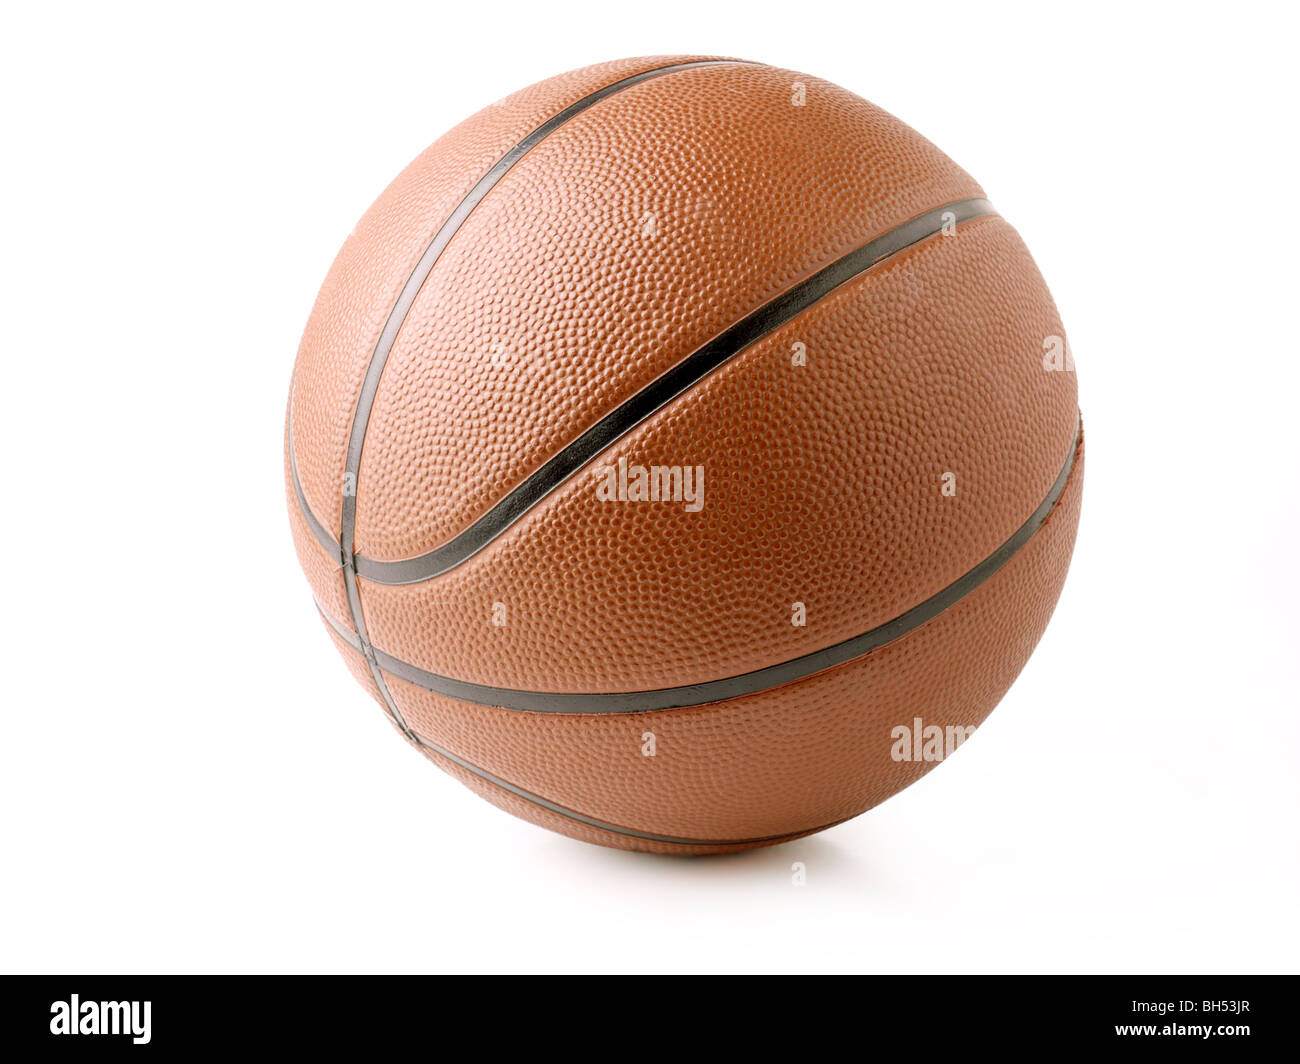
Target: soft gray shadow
[[840, 861]]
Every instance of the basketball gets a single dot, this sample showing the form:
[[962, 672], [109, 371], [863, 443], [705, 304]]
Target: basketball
[[684, 454]]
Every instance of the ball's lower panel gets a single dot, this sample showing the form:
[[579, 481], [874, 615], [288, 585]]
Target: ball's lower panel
[[577, 829], [777, 764]]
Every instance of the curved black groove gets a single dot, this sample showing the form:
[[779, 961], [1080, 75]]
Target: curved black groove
[[684, 375], [687, 373], [388, 336], [449, 228], [732, 686], [318, 530]]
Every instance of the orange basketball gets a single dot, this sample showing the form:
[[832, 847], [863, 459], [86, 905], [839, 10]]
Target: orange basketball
[[685, 454]]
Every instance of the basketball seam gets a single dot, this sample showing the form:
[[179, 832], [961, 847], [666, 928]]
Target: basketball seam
[[743, 684], [673, 383], [392, 326], [676, 381]]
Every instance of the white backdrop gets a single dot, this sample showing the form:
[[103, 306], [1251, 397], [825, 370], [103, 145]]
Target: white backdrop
[[189, 778]]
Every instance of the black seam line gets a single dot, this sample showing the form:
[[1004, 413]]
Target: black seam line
[[448, 229], [564, 811], [388, 336], [623, 419], [314, 525], [745, 683], [684, 375], [363, 647]]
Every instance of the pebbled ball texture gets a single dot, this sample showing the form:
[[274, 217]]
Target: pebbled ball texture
[[627, 237]]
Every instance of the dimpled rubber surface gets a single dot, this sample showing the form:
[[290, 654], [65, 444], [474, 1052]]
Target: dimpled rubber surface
[[629, 236]]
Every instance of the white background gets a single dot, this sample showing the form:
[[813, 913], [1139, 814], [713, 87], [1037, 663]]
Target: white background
[[191, 781]]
